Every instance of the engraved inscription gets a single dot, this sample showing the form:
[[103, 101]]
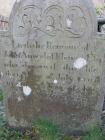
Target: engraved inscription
[[50, 21], [52, 72]]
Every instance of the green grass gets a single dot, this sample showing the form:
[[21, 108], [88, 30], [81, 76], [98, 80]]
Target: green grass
[[95, 133], [47, 130], [42, 130], [1, 95], [12, 134]]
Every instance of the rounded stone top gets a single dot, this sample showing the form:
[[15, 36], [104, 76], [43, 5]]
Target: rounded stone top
[[32, 19]]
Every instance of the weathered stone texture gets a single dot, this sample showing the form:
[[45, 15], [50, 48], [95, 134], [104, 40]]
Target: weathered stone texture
[[53, 64]]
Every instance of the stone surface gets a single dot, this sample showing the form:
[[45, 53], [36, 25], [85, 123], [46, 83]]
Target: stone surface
[[53, 64]]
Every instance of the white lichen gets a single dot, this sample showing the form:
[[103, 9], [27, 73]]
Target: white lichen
[[27, 90], [19, 85], [20, 99], [69, 23], [55, 81], [1, 74], [80, 63]]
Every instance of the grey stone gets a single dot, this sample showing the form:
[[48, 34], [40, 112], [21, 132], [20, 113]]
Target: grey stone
[[53, 64]]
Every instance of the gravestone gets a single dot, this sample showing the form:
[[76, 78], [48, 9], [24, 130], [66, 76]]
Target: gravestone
[[53, 67]]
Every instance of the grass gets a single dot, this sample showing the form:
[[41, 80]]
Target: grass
[[95, 133], [41, 130], [46, 130], [1, 95], [7, 133], [11, 134]]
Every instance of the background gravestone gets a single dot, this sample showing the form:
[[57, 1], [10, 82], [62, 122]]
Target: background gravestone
[[53, 67]]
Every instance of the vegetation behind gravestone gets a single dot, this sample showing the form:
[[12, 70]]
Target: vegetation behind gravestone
[[100, 11], [1, 95]]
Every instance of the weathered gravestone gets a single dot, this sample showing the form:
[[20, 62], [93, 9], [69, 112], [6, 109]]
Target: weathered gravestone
[[53, 67]]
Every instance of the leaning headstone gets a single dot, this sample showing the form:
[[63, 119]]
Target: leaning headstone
[[53, 67]]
